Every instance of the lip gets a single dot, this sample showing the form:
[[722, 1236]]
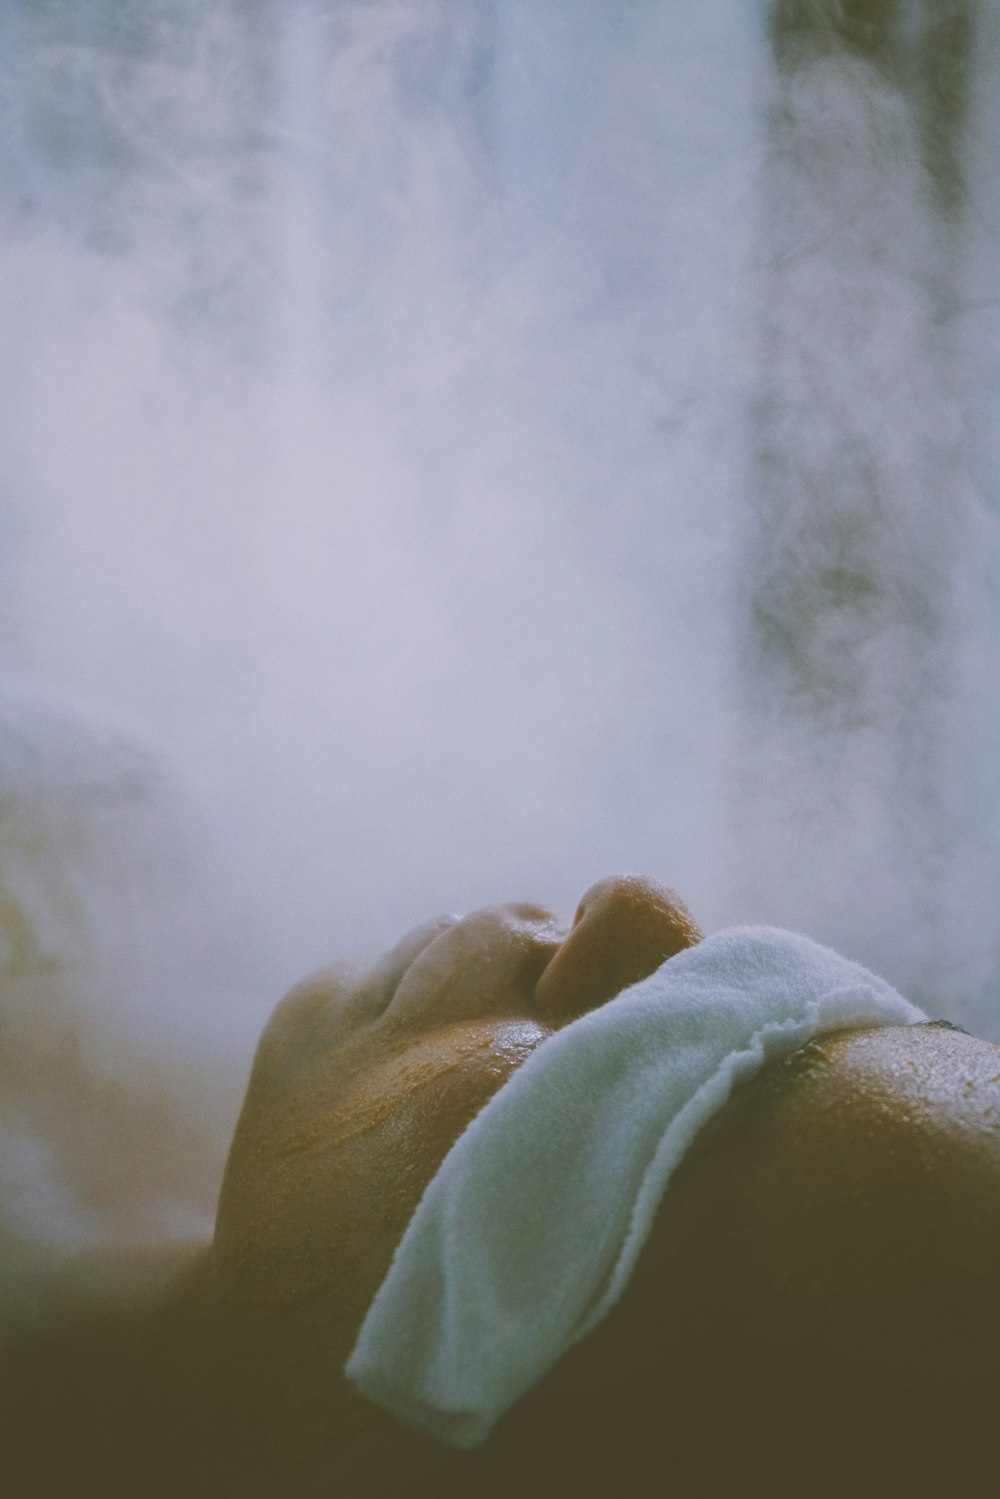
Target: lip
[[389, 972], [487, 964]]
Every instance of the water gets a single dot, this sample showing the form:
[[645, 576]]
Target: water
[[467, 448]]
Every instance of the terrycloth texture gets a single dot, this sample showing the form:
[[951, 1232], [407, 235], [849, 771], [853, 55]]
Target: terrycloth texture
[[530, 1230]]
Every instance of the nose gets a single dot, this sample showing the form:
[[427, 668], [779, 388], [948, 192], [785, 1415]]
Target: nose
[[624, 928]]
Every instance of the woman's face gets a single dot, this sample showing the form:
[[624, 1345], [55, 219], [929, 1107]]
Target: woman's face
[[362, 1082]]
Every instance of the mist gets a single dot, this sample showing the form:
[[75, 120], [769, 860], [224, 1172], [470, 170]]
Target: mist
[[463, 449]]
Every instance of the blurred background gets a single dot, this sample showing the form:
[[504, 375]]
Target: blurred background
[[455, 449]]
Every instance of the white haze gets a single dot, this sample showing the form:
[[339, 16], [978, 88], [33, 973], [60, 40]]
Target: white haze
[[379, 447]]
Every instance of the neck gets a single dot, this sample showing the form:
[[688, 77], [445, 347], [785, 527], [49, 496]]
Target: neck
[[139, 1362]]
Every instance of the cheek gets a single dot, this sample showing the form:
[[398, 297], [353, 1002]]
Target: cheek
[[384, 1177], [322, 1206]]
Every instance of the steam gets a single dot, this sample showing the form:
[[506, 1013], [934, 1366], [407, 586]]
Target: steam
[[112, 1125], [379, 425], [421, 421], [865, 768]]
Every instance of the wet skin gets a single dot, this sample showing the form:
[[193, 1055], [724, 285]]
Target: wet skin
[[792, 1226], [362, 1083], [834, 1233]]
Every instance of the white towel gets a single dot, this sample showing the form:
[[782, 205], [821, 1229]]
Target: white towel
[[530, 1230]]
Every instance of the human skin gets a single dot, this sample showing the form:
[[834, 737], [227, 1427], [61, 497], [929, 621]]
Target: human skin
[[833, 1230], [359, 1088]]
